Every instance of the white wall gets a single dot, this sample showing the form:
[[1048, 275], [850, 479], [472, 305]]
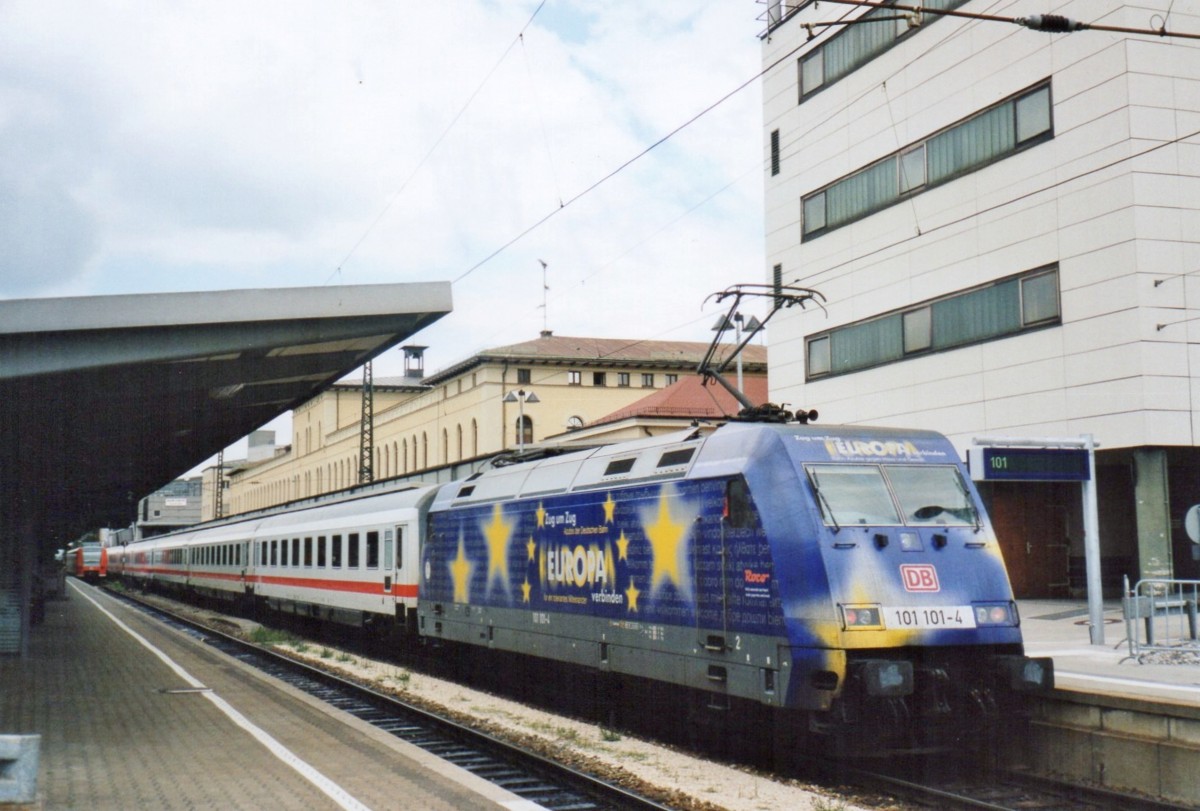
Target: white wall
[[1115, 224]]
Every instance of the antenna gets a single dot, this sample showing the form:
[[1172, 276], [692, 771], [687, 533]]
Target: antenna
[[545, 288]]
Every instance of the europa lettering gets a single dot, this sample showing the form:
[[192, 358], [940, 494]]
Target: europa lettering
[[579, 566], [858, 447]]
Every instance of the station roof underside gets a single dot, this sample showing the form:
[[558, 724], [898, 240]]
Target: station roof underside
[[105, 399]]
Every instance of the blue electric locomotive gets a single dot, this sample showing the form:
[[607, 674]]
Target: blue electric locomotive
[[847, 574]]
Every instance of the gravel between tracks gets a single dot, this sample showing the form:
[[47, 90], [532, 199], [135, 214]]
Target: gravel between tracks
[[675, 778]]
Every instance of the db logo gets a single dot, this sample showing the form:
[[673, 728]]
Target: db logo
[[919, 577]]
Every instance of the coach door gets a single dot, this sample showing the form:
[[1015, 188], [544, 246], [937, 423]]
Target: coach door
[[389, 558]]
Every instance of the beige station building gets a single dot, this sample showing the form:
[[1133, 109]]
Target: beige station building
[[551, 390]]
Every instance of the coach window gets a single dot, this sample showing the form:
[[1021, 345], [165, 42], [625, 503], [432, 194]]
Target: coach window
[[274, 553], [295, 551], [308, 552], [259, 551], [373, 550], [283, 552], [335, 551], [352, 551], [321, 552]]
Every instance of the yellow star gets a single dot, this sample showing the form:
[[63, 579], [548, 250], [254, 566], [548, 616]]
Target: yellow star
[[610, 508], [531, 547], [460, 573], [622, 547], [631, 594], [666, 538], [541, 516], [497, 532], [525, 589]]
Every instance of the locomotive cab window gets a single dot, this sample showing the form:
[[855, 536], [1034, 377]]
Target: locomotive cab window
[[852, 494], [738, 510], [932, 495]]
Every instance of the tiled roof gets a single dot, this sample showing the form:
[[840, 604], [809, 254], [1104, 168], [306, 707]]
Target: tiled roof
[[689, 398], [562, 349]]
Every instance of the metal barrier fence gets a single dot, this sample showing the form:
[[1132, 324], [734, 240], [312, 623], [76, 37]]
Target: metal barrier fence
[[1161, 615]]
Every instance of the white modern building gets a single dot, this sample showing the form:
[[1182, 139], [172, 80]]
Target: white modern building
[[1005, 224]]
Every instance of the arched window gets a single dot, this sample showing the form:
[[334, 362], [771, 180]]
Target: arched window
[[525, 430], [424, 450], [474, 438], [404, 448], [445, 446], [458, 442]]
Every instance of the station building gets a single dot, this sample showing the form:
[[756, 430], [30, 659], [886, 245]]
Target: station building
[[446, 425], [1005, 224]]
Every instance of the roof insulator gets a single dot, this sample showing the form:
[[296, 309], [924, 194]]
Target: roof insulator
[[1052, 23]]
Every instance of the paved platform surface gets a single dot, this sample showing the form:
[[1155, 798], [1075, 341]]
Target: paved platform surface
[[1061, 629], [186, 727]]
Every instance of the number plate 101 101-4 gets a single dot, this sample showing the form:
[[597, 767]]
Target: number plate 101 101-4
[[955, 616]]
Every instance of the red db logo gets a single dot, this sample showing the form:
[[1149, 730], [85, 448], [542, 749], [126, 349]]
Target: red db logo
[[919, 577]]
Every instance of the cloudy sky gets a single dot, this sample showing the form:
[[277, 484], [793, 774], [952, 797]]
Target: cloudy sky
[[176, 146]]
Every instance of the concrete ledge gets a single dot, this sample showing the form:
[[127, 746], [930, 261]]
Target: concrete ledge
[[18, 769], [1135, 746]]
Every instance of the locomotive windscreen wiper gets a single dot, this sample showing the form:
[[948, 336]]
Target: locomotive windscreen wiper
[[825, 506]]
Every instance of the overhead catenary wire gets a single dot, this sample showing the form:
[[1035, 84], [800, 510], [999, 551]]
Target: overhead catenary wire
[[1049, 23], [437, 142]]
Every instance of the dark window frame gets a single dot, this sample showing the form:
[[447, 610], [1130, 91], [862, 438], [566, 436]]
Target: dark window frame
[[824, 341]]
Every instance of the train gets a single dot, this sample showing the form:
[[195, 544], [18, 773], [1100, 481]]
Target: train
[[845, 579], [89, 561]]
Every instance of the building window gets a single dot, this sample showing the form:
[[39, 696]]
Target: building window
[[525, 430], [774, 152], [598, 379], [574, 379], [996, 310], [970, 145], [623, 379], [672, 379], [855, 45], [524, 376], [647, 380]]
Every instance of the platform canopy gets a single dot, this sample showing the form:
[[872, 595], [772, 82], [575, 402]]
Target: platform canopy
[[105, 399]]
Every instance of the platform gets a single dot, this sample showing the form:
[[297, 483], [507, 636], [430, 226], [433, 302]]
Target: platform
[[1061, 630], [161, 721]]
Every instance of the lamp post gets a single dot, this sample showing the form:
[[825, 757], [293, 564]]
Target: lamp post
[[521, 397]]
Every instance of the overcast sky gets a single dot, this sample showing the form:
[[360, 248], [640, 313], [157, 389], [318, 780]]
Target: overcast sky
[[178, 146]]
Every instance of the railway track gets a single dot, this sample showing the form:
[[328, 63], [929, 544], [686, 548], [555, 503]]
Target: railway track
[[536, 779]]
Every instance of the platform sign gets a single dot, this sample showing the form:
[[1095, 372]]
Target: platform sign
[[1029, 464]]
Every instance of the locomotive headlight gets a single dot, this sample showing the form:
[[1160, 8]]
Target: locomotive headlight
[[861, 617], [995, 614]]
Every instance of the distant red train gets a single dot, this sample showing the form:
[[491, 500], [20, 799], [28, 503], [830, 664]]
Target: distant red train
[[90, 562]]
